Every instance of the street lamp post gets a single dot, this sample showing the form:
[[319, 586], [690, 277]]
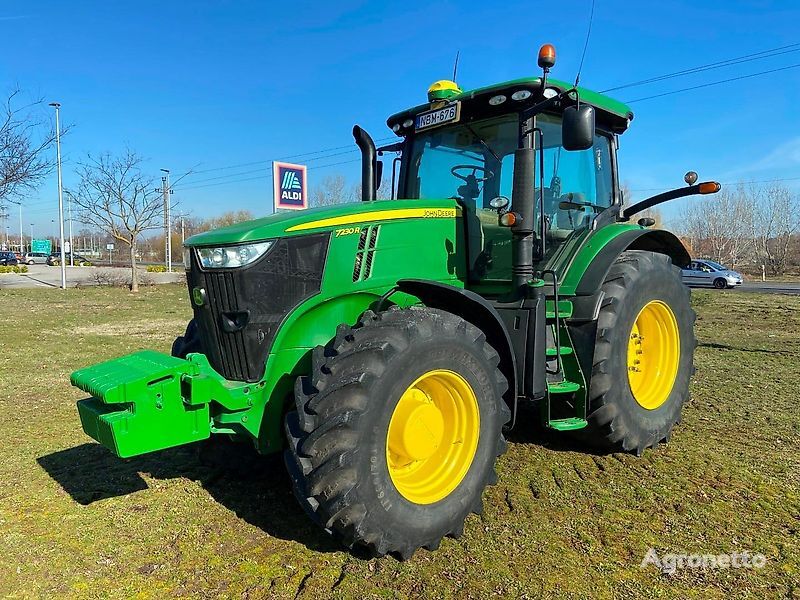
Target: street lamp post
[[57, 106], [168, 218]]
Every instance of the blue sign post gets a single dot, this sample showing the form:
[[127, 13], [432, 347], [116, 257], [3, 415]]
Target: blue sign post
[[290, 187], [45, 246]]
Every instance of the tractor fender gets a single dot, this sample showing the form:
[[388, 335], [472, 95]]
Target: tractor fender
[[588, 294], [476, 310]]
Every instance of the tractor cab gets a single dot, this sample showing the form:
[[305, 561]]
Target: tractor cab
[[463, 146]]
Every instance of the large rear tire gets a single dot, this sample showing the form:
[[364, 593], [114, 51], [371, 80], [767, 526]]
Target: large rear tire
[[397, 430], [643, 357]]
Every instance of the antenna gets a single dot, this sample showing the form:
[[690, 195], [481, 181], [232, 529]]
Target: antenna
[[455, 66], [585, 45]]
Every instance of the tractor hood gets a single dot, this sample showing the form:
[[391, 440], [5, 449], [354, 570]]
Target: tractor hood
[[323, 219]]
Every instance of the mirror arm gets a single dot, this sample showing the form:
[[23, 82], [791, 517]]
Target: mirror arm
[[709, 187]]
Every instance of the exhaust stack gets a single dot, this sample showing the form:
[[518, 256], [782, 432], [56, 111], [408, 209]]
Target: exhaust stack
[[368, 163]]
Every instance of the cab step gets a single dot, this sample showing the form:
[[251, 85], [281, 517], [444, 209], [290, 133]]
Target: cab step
[[569, 424], [562, 351], [563, 387], [564, 309]]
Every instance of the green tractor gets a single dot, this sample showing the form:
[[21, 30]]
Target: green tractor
[[385, 346]]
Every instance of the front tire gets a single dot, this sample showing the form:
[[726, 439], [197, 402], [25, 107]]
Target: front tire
[[720, 283], [643, 357], [397, 430]]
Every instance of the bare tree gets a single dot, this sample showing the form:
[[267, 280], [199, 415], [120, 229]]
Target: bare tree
[[25, 137], [776, 221], [115, 196], [384, 191], [332, 190], [719, 226]]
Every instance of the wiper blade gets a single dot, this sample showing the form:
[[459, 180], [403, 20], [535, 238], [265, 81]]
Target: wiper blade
[[482, 141]]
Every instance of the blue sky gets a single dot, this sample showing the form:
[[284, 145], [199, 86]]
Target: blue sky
[[214, 84]]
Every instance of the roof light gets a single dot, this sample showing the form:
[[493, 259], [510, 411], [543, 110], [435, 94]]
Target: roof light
[[497, 100], [443, 90], [408, 123], [520, 95], [550, 92], [396, 127], [547, 56]]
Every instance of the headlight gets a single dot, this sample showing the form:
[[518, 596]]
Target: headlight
[[229, 257]]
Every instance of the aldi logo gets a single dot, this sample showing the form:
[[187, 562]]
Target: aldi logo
[[289, 186]]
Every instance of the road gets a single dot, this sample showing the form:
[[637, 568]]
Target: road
[[771, 287], [50, 277]]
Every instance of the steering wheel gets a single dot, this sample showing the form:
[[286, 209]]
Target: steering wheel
[[471, 178]]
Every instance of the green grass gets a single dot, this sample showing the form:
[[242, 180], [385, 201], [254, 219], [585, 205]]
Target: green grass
[[75, 521]]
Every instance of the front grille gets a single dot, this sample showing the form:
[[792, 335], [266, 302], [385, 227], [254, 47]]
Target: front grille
[[245, 307]]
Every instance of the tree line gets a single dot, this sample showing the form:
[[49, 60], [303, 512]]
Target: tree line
[[746, 226]]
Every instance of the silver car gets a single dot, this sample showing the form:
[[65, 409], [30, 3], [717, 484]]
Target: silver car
[[707, 273], [39, 258]]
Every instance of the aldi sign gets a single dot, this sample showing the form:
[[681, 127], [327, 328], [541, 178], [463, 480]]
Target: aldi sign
[[290, 186]]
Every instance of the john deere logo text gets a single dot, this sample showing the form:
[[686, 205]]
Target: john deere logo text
[[290, 186]]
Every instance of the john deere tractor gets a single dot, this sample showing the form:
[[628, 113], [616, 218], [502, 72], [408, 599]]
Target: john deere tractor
[[385, 346]]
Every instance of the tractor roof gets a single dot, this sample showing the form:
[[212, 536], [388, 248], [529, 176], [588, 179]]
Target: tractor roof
[[611, 112]]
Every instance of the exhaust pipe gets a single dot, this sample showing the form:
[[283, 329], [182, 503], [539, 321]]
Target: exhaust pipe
[[523, 204], [369, 158]]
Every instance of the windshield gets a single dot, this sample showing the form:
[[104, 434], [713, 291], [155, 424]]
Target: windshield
[[716, 266], [473, 162]]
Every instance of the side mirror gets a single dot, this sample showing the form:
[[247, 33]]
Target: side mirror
[[577, 128]]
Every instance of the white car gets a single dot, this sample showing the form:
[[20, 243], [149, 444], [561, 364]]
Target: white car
[[707, 273]]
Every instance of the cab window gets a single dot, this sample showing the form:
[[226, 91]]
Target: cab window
[[577, 184]]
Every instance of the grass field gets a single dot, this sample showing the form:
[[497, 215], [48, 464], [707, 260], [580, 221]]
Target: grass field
[[75, 521]]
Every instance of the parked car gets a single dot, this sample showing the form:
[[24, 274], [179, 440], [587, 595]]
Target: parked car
[[78, 260], [8, 259], [707, 273], [39, 258]]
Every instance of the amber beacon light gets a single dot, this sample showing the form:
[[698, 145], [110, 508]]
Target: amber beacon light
[[547, 56]]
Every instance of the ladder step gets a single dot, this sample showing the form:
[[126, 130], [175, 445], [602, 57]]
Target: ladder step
[[563, 350], [564, 309], [568, 424], [563, 387]]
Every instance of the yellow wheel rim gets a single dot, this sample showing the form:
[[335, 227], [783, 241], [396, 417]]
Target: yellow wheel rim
[[433, 435], [654, 350]]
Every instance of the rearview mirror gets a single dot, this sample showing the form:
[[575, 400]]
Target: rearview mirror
[[577, 128]]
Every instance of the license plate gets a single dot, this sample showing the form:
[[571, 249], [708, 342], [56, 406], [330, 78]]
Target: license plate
[[432, 118]]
